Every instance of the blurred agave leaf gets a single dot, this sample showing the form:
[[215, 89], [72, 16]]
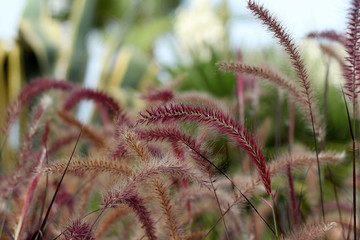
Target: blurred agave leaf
[[15, 75], [137, 11], [148, 31], [34, 9], [59, 48], [33, 35], [140, 21], [137, 69], [3, 105], [11, 81], [40, 35], [121, 64], [82, 13], [149, 77], [115, 75], [130, 71], [113, 9], [3, 85]]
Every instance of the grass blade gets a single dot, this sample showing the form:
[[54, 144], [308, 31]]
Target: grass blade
[[41, 230]]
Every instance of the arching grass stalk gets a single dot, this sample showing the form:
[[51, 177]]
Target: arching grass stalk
[[353, 161], [172, 134], [337, 201], [222, 122], [3, 145], [285, 40]]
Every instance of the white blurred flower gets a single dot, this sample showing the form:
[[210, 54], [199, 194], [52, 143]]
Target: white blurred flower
[[198, 29]]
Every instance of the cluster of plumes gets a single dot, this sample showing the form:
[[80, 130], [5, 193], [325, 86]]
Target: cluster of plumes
[[214, 118], [147, 166], [281, 82], [351, 70], [350, 42], [299, 90], [33, 89], [157, 170]]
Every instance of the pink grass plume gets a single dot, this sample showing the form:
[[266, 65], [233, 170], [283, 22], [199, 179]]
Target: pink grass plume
[[216, 119]]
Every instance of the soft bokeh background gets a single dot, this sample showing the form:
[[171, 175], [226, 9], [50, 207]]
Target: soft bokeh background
[[157, 28], [126, 47]]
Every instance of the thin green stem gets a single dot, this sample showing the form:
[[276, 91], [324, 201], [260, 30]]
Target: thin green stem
[[274, 218], [337, 201], [233, 184], [2, 149], [2, 224], [352, 134], [354, 156], [42, 227], [218, 203], [354, 184], [318, 168]]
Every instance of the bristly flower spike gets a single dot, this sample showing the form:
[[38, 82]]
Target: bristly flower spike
[[287, 43], [329, 35], [281, 82], [297, 62], [172, 134], [90, 94], [78, 230], [33, 89], [217, 119], [352, 68], [163, 95]]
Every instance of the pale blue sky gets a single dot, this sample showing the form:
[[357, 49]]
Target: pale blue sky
[[298, 16]]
